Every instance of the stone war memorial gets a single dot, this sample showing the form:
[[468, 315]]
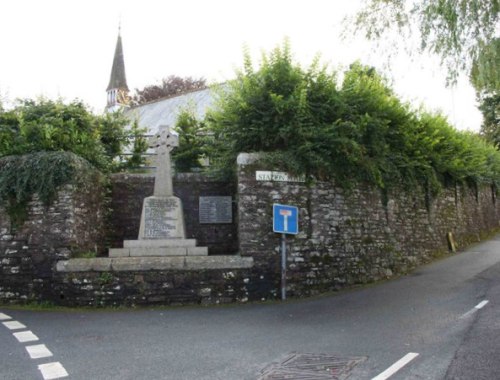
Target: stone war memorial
[[159, 259], [162, 230]]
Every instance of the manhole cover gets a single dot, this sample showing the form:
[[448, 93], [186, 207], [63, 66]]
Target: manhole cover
[[311, 367]]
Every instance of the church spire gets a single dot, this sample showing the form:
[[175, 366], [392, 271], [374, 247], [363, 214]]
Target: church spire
[[117, 88]]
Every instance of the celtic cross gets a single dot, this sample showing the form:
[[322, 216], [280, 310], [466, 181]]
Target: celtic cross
[[163, 142]]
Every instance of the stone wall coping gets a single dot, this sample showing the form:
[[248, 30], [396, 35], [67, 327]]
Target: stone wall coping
[[133, 264], [157, 251], [177, 177], [159, 243], [248, 158]]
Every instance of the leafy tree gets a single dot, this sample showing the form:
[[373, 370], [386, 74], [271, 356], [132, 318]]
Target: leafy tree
[[490, 108], [485, 77], [11, 140], [455, 30], [112, 134], [139, 147], [170, 86], [187, 155], [46, 125]]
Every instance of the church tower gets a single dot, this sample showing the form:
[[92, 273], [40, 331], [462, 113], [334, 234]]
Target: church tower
[[117, 88]]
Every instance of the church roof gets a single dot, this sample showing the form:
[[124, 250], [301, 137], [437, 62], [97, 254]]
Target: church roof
[[117, 78], [165, 111]]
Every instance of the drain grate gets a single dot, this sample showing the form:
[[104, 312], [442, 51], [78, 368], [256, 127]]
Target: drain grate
[[311, 367]]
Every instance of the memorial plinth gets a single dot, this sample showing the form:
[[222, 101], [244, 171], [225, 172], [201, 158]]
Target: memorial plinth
[[162, 218], [159, 247]]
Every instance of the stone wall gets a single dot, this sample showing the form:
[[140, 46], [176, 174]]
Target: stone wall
[[136, 288], [346, 238], [353, 237], [129, 191], [75, 223], [72, 224], [153, 280]]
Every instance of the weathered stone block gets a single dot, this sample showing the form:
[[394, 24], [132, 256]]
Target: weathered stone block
[[218, 262], [100, 264], [156, 243], [165, 251], [119, 252]]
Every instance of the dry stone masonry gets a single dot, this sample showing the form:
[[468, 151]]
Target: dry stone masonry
[[346, 237], [352, 236], [72, 225]]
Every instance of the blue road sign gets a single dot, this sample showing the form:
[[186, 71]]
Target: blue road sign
[[285, 219]]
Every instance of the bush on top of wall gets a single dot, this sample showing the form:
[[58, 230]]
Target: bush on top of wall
[[308, 122]]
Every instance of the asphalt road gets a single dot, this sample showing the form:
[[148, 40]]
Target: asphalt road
[[436, 312]]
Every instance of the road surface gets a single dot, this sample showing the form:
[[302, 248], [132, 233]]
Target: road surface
[[440, 322]]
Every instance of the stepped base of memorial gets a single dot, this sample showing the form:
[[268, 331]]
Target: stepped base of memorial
[[160, 247], [119, 264]]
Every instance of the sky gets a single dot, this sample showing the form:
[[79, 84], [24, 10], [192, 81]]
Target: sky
[[64, 48]]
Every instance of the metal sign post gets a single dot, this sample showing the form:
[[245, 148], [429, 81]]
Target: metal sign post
[[283, 267], [285, 221]]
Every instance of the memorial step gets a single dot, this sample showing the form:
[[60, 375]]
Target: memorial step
[[158, 251], [159, 243], [106, 264]]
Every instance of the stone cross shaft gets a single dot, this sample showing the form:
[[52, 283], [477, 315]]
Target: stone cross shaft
[[163, 142]]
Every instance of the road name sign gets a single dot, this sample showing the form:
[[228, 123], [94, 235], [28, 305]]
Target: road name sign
[[272, 176]]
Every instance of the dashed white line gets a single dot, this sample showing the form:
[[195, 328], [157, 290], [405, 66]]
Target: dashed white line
[[38, 351], [25, 336], [14, 325], [52, 371], [479, 306], [396, 366], [49, 371]]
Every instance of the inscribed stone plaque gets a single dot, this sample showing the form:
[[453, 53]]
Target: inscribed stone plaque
[[162, 218], [216, 209]]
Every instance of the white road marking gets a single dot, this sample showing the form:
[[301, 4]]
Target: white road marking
[[14, 325], [396, 366], [49, 371], [480, 305], [25, 336], [38, 351], [52, 371]]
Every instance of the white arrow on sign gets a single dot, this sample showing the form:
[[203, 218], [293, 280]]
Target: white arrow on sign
[[285, 214]]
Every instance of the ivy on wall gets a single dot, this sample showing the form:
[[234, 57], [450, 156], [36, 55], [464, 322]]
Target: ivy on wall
[[41, 173]]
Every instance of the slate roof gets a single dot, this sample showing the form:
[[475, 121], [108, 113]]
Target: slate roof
[[117, 78], [165, 111]]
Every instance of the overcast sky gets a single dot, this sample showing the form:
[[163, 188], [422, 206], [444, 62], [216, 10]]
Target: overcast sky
[[64, 48]]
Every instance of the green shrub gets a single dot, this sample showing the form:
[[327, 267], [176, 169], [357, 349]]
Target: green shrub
[[46, 125], [357, 131], [187, 155]]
